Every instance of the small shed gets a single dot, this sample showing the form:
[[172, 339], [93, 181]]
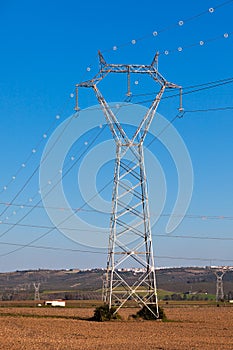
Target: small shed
[[61, 303]]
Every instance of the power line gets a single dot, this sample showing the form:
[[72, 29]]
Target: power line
[[197, 88], [98, 229], [37, 167], [219, 81], [38, 206], [75, 211], [91, 230], [104, 253], [42, 207], [35, 149], [103, 188], [63, 175], [191, 258], [51, 248], [189, 216], [34, 172], [190, 92], [185, 112], [179, 23], [195, 237], [216, 83], [189, 19], [177, 116], [209, 109], [50, 230], [199, 43]]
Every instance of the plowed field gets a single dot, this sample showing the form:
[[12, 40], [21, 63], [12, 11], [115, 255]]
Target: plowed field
[[191, 327]]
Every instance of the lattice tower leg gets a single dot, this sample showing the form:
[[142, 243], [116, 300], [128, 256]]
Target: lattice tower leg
[[130, 234]]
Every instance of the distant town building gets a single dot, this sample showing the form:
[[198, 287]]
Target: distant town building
[[61, 303]]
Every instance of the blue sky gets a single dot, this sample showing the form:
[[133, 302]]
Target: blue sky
[[49, 46]]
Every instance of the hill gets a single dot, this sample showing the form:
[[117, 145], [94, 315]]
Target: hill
[[87, 284]]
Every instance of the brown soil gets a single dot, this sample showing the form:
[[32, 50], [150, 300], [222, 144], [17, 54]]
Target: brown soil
[[191, 327]]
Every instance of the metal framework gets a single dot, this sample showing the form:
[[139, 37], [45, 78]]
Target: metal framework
[[219, 283], [130, 237], [37, 291]]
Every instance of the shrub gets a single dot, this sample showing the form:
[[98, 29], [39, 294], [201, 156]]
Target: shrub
[[103, 313], [146, 314]]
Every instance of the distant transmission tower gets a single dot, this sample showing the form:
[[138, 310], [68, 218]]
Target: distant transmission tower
[[130, 230], [219, 283], [37, 291]]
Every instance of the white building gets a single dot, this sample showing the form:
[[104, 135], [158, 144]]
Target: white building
[[55, 303]]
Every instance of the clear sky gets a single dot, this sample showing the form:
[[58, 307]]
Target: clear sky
[[49, 46]]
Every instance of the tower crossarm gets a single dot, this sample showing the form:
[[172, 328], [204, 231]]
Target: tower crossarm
[[129, 69], [106, 68], [135, 69], [94, 81]]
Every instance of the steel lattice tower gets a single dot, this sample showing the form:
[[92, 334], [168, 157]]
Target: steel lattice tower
[[219, 283], [130, 231], [37, 291]]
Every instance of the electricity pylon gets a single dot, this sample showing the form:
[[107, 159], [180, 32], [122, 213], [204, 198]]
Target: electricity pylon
[[219, 273], [130, 230], [37, 291]]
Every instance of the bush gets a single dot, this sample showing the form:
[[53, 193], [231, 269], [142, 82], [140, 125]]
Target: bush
[[103, 313], [146, 314]]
